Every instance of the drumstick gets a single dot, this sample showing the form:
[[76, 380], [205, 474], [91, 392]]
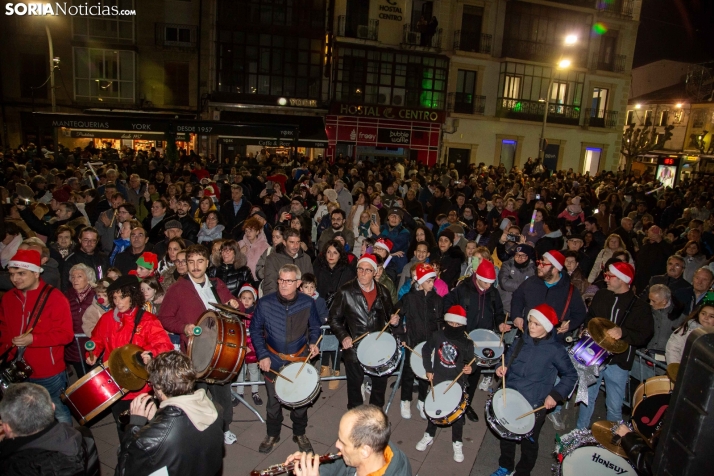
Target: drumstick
[[431, 383], [410, 349], [23, 335], [530, 412], [502, 332], [359, 338], [503, 379], [307, 358], [458, 376], [385, 327], [113, 217], [281, 375], [468, 336]]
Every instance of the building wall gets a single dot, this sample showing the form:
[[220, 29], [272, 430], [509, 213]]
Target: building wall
[[657, 75]]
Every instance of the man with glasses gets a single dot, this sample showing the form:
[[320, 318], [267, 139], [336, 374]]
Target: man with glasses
[[634, 325], [126, 260], [338, 219], [184, 303], [284, 329], [88, 254], [360, 306]]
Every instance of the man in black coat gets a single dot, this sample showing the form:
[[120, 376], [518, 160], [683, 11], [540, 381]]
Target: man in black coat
[[652, 258], [154, 223], [126, 260], [88, 254], [682, 291], [167, 438], [236, 209], [189, 226]]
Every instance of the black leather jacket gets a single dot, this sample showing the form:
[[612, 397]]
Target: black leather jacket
[[349, 316], [171, 440], [233, 277]]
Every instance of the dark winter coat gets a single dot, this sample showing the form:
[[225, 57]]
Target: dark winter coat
[[651, 261], [126, 260], [77, 307], [450, 357], [329, 280], [235, 275], [682, 292], [422, 313], [450, 264], [483, 310]]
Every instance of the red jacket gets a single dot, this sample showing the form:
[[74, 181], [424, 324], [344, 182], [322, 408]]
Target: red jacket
[[51, 333], [182, 305], [109, 334]]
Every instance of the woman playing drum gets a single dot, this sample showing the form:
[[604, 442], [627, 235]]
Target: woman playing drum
[[118, 327]]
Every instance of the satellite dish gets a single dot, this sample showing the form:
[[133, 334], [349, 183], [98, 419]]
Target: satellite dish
[[700, 83]]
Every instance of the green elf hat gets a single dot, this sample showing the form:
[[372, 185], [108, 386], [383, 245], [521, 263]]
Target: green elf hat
[[708, 299], [148, 260]]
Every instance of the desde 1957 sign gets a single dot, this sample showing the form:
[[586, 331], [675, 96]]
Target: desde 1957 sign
[[388, 112]]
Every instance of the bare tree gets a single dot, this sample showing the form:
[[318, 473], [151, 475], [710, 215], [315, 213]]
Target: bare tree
[[640, 140]]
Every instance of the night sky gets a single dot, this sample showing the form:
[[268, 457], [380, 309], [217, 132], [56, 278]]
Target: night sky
[[681, 30]]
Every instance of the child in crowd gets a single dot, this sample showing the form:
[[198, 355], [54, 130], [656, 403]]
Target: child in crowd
[[453, 352], [153, 294], [99, 306], [421, 255], [146, 265], [248, 296], [472, 259], [309, 287], [113, 273], [442, 289], [532, 364]]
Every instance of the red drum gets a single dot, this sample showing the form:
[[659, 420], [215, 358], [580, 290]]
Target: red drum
[[92, 394]]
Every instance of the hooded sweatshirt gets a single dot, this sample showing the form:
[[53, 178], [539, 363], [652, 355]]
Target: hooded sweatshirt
[[197, 407]]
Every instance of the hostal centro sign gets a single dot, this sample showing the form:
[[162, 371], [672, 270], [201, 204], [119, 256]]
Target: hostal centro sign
[[389, 112]]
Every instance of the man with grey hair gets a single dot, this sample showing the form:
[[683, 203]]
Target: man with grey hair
[[284, 329], [33, 442], [665, 319], [682, 291], [344, 197], [702, 282]]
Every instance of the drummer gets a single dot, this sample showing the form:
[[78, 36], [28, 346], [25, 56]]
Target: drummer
[[484, 310], [452, 353], [127, 323], [184, 303], [532, 363], [634, 325], [284, 329]]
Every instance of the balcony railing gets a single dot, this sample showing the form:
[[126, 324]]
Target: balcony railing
[[533, 111], [364, 32], [474, 43], [620, 8], [601, 118], [616, 65], [417, 38], [463, 103], [542, 52]]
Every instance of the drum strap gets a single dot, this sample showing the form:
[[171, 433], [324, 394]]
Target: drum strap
[[137, 320], [33, 318], [567, 302]]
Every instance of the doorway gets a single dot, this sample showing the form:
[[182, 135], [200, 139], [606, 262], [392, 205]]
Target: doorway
[[592, 160], [508, 153], [460, 158]]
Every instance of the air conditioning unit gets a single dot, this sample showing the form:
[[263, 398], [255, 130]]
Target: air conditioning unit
[[397, 100], [382, 99], [362, 31]]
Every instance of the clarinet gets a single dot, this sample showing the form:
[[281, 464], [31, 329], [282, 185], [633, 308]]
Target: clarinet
[[287, 468]]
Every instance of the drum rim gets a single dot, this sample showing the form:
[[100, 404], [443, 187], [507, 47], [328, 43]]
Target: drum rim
[[67, 397], [512, 392], [310, 398], [417, 349], [439, 393], [200, 373], [592, 445], [394, 340]]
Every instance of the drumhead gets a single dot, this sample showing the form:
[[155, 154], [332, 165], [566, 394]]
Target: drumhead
[[487, 344], [595, 461], [442, 405], [373, 353], [204, 345], [417, 363], [304, 384], [516, 405]]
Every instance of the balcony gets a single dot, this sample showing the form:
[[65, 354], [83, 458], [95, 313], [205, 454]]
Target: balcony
[[541, 52], [412, 37], [473, 43], [463, 103], [616, 65], [617, 8], [533, 111], [363, 32], [601, 118]]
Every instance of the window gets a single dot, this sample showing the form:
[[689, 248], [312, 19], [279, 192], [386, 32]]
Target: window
[[178, 35], [464, 95], [390, 78], [512, 87], [663, 118], [33, 74], [471, 22], [630, 118], [559, 92], [648, 118], [112, 27], [255, 15], [103, 75], [606, 54], [176, 86]]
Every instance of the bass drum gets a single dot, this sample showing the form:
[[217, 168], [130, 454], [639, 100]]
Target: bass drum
[[218, 352], [92, 394], [649, 405], [594, 460]]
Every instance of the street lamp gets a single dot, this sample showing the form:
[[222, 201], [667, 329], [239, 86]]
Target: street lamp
[[52, 68]]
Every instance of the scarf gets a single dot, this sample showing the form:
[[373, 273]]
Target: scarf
[[81, 295], [454, 333]]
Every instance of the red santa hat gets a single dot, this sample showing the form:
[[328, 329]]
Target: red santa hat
[[545, 315], [622, 270], [424, 272], [26, 259], [370, 259], [456, 314], [250, 289], [486, 272], [385, 244], [208, 191], [555, 258]]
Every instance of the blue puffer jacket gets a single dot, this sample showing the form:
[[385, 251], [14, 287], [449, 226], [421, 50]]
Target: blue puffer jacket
[[533, 371], [285, 325]]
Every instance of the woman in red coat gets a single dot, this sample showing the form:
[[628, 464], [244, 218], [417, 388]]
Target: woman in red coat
[[117, 328]]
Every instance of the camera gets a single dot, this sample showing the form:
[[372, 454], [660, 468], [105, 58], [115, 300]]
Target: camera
[[537, 196], [15, 372], [514, 238], [288, 216]]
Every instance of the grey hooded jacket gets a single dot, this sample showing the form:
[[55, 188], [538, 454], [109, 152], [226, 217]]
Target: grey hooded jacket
[[510, 277]]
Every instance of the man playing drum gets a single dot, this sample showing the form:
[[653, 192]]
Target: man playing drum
[[361, 306], [284, 329], [184, 303]]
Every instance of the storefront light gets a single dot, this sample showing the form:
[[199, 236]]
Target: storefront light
[[282, 101]]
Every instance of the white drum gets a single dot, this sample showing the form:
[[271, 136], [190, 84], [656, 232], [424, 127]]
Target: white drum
[[417, 363], [487, 347], [502, 419], [303, 390], [378, 357], [445, 409], [595, 461]]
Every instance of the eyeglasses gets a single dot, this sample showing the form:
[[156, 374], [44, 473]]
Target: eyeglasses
[[180, 261], [287, 281], [365, 270], [543, 264]]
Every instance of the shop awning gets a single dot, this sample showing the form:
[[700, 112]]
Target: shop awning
[[311, 128]]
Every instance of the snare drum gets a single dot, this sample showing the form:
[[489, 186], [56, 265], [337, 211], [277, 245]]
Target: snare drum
[[303, 390], [588, 352], [594, 460], [417, 363], [92, 394], [445, 409], [378, 357], [487, 347], [218, 352], [502, 419], [649, 405]]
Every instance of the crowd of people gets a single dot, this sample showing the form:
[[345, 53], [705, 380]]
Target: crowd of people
[[136, 250]]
